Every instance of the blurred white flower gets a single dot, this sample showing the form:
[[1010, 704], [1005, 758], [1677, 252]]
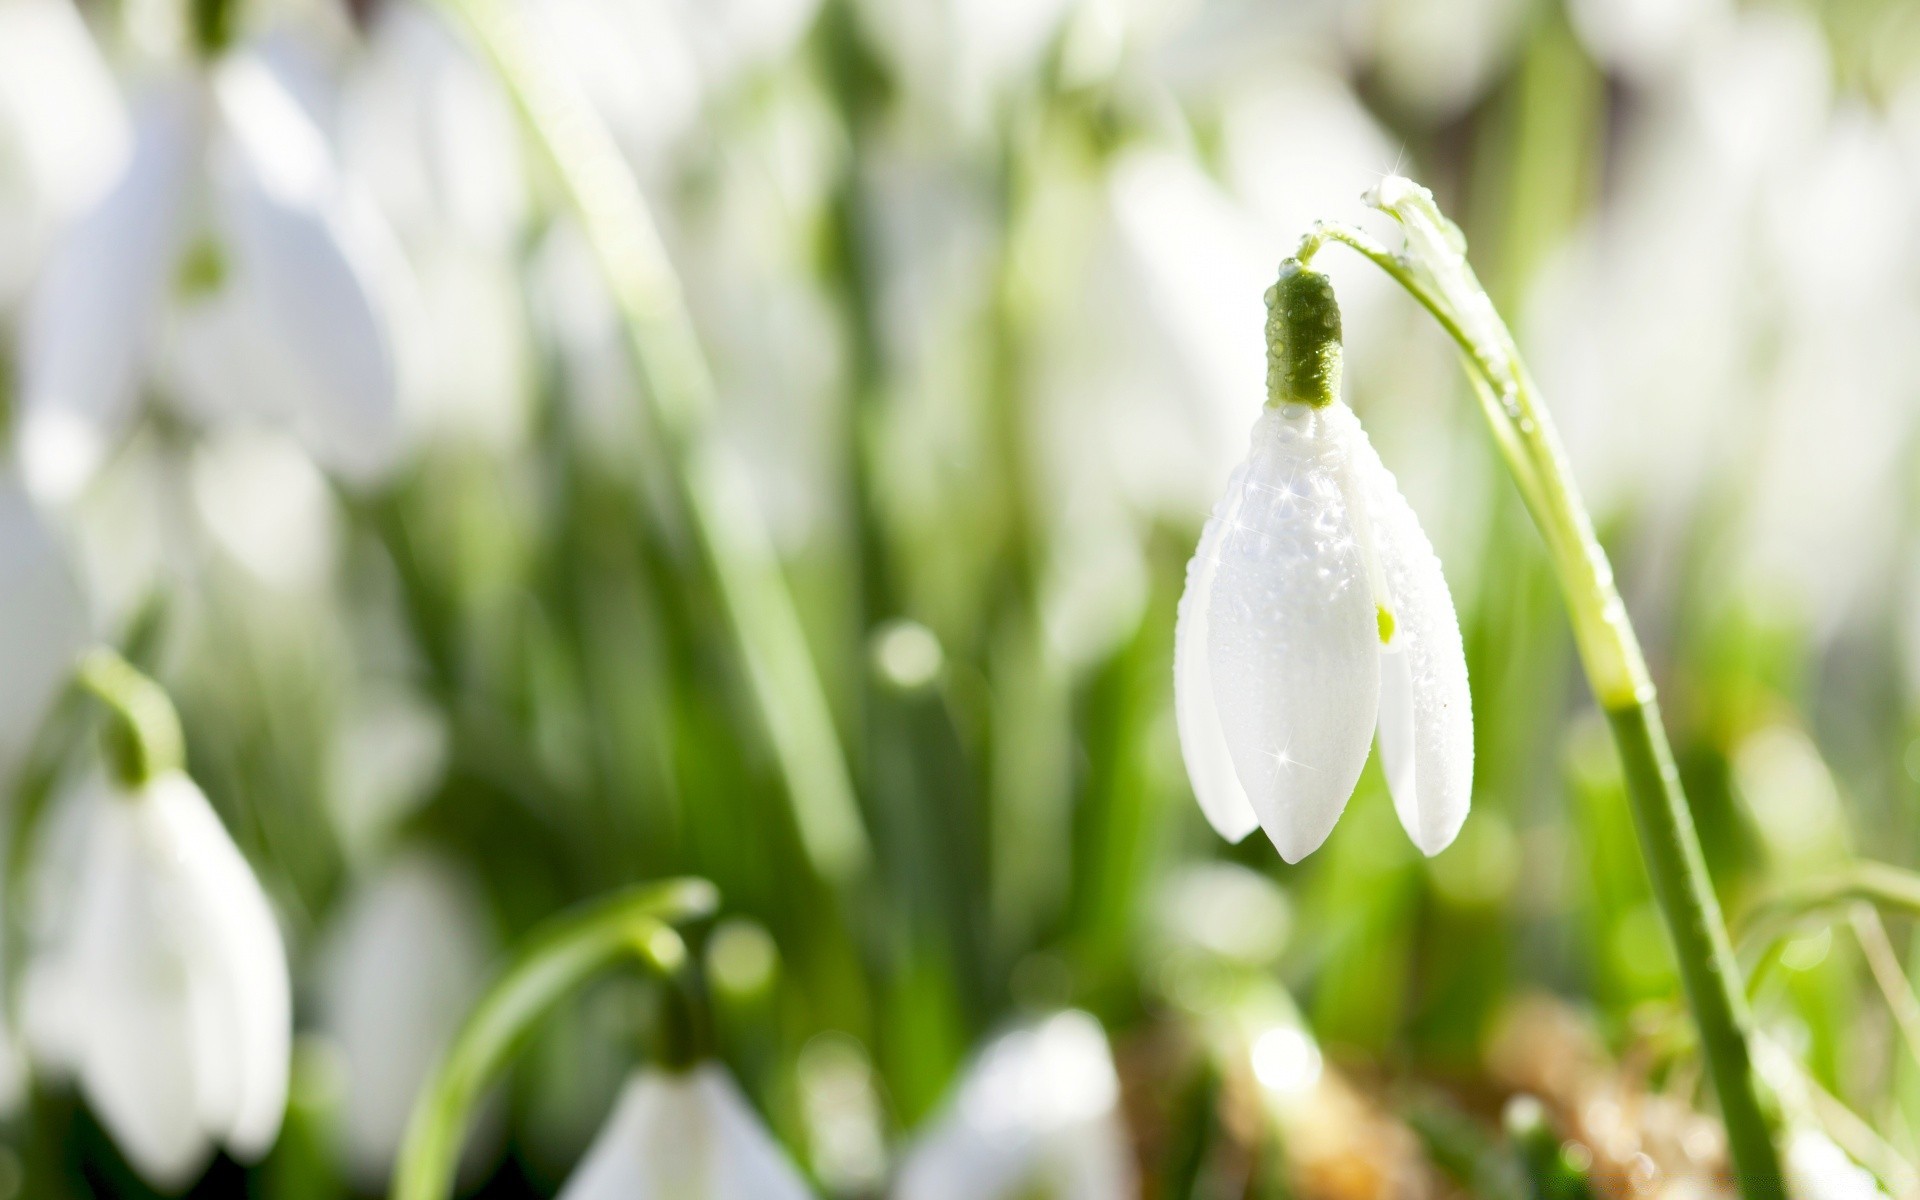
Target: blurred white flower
[[46, 625], [400, 966], [1819, 1170], [160, 980], [957, 58], [435, 138], [1641, 38], [1316, 610], [1438, 56], [267, 505], [1036, 1110], [651, 65], [684, 1136], [230, 232], [61, 130]]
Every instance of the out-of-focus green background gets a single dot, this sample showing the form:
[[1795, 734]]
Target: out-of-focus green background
[[980, 286]]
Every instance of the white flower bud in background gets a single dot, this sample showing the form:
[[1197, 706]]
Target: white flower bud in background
[[62, 133], [159, 983], [684, 1136], [1037, 1112], [405, 959], [140, 285], [1315, 611]]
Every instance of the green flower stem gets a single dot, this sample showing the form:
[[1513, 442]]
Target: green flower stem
[[621, 230], [1434, 269], [634, 923], [143, 739]]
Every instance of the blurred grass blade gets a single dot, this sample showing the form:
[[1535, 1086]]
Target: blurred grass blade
[[551, 963], [620, 227], [1875, 883]]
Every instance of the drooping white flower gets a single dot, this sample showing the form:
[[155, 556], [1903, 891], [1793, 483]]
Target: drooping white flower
[[61, 130], [161, 984], [684, 1136], [46, 625], [1315, 612], [228, 202], [405, 960], [1039, 1108]]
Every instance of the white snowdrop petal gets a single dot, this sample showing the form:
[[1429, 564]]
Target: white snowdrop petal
[[1426, 711], [137, 1058], [1036, 1108], [1203, 744], [89, 322], [46, 626], [617, 1165], [241, 991], [1291, 639], [313, 263], [689, 1136], [748, 1162]]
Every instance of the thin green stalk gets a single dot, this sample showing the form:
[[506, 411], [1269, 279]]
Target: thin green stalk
[[620, 228], [1434, 269], [634, 923]]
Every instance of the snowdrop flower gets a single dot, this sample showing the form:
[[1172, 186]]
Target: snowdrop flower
[[46, 625], [434, 136], [1038, 1109], [162, 987], [399, 970], [61, 130], [228, 203], [684, 1136], [1315, 611]]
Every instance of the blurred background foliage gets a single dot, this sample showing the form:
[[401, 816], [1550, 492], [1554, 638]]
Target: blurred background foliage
[[979, 282]]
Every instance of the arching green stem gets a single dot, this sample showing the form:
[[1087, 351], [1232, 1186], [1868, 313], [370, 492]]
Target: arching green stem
[[1433, 268], [620, 229], [143, 738], [636, 923]]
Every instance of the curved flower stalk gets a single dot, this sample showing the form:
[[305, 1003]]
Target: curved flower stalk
[[684, 1136], [1316, 612], [163, 986], [1433, 268], [230, 229], [1038, 1109], [556, 960]]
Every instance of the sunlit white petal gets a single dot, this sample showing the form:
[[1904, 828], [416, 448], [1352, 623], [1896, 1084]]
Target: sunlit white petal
[[1292, 637], [314, 264], [689, 1136], [62, 129], [1037, 1110], [1203, 743], [166, 992], [1426, 711], [46, 625], [91, 317], [405, 960]]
